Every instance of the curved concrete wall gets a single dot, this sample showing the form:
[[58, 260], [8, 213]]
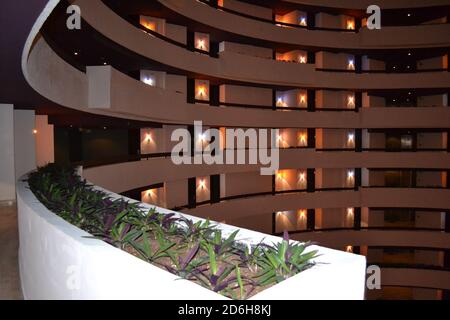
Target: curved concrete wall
[[121, 177], [420, 278], [424, 36], [47, 72], [363, 4], [59, 261], [395, 238], [241, 67], [365, 197]]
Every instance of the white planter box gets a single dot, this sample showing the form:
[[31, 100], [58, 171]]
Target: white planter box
[[58, 262]]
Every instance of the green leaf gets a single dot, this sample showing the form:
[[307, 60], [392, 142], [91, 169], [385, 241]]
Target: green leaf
[[240, 282], [212, 260]]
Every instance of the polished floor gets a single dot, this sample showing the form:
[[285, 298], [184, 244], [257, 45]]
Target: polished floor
[[9, 245]]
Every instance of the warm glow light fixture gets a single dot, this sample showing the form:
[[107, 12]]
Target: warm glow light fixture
[[302, 214], [350, 25], [302, 98], [303, 21], [149, 25], [302, 59], [201, 90], [302, 137], [349, 249], [280, 175], [351, 137], [351, 64], [202, 137], [280, 102], [35, 131], [350, 211], [350, 101], [350, 174], [302, 177], [202, 184], [201, 44], [148, 138]]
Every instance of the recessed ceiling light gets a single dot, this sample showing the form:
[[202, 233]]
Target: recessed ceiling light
[[75, 53], [409, 14], [409, 53]]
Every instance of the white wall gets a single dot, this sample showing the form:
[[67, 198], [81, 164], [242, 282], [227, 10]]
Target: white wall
[[24, 142], [7, 178], [58, 261]]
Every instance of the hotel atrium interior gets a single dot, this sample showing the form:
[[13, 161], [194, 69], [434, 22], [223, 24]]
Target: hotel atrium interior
[[348, 101]]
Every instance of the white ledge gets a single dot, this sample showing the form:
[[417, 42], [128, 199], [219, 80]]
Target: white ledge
[[57, 261]]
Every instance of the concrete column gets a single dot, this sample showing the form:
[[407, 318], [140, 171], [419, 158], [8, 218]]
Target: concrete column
[[7, 177], [24, 142]]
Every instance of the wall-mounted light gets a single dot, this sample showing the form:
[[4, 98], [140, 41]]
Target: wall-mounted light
[[303, 138], [302, 59], [303, 21], [201, 44], [202, 184], [280, 175], [202, 137], [201, 91], [351, 64], [350, 175], [75, 53], [280, 102], [302, 214], [150, 193], [351, 101], [149, 81], [149, 25], [350, 212], [302, 177], [349, 249], [350, 25], [303, 98], [350, 138], [35, 131], [280, 137], [148, 138]]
